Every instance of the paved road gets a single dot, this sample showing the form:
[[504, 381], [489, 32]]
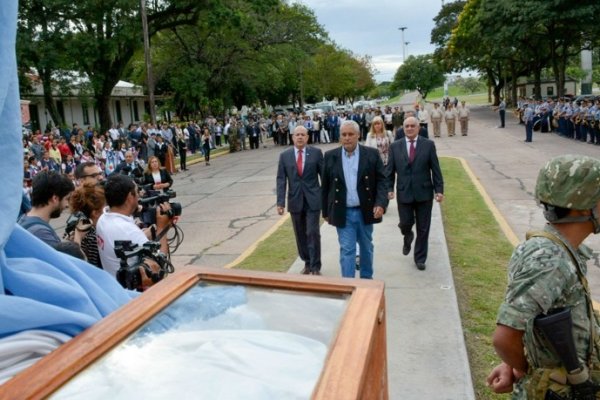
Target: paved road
[[507, 167]]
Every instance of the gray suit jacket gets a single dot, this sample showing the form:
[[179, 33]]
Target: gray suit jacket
[[301, 190], [417, 181]]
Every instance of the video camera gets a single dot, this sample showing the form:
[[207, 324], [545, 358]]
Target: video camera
[[74, 220], [152, 199], [130, 275]]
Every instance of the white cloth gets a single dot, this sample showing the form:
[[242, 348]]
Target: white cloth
[[212, 364], [113, 226], [23, 349]]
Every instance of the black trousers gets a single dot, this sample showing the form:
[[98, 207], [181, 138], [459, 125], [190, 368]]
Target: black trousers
[[308, 237], [419, 212]]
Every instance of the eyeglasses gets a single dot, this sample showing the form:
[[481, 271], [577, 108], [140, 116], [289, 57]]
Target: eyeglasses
[[94, 175]]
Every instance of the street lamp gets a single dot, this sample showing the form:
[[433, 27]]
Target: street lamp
[[402, 29]]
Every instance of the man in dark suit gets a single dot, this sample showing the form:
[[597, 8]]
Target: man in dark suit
[[354, 198], [301, 168], [130, 167], [413, 160], [400, 131]]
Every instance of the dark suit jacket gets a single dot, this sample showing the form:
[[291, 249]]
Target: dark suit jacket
[[165, 177], [417, 181], [371, 185], [123, 168], [300, 188]]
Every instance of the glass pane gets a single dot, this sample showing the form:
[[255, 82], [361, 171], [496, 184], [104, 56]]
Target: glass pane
[[223, 342]]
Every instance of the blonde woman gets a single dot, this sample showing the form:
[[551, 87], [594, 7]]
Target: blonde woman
[[379, 138]]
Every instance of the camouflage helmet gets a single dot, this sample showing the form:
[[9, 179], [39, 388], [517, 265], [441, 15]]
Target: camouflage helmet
[[569, 181]]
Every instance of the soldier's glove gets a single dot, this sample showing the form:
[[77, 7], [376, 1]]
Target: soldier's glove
[[584, 391]]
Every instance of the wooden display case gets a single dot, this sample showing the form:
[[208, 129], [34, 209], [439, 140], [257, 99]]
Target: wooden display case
[[351, 328]]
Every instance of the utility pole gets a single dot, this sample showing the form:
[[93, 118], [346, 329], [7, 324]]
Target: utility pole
[[149, 75], [406, 45], [402, 29]]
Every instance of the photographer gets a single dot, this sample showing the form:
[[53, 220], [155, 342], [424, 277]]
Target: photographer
[[87, 205], [117, 223]]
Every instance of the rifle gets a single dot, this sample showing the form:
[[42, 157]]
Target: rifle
[[557, 328]]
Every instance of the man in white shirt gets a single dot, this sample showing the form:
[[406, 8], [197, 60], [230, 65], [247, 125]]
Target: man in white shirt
[[117, 222]]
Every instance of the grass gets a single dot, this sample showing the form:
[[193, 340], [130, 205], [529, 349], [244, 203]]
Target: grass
[[437, 95], [275, 254], [479, 253]]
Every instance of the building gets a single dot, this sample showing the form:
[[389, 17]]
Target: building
[[128, 104], [548, 87]]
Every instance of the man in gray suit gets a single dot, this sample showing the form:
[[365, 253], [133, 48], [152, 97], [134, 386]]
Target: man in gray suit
[[413, 159], [299, 171]]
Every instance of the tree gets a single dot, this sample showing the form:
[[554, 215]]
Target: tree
[[419, 73], [245, 56], [445, 21], [470, 84], [41, 45], [98, 38]]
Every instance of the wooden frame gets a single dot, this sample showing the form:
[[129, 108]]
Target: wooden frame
[[355, 368]]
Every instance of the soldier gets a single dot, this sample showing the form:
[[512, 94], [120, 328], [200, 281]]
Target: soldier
[[546, 277], [436, 119], [528, 116], [397, 118], [463, 117], [450, 118]]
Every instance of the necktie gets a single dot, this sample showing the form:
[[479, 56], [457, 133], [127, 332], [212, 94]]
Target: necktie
[[299, 162], [411, 154]]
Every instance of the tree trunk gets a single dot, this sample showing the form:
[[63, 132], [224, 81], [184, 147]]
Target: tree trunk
[[103, 106], [537, 83], [49, 99], [513, 83]]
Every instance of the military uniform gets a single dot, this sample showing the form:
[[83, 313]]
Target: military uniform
[[450, 118], [436, 120], [542, 277]]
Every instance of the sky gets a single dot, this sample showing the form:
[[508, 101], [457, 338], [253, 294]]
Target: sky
[[370, 27]]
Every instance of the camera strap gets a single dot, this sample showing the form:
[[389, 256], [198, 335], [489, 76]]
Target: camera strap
[[161, 234]]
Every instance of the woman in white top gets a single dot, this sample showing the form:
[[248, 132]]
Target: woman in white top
[[379, 138]]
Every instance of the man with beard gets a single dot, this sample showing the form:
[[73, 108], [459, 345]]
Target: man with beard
[[50, 194]]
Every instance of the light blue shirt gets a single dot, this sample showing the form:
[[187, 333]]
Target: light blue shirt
[[40, 288], [528, 114], [350, 167]]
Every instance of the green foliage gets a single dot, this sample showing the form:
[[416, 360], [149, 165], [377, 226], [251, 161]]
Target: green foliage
[[418, 73], [252, 54], [470, 84]]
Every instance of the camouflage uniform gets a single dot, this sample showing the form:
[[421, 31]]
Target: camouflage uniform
[[543, 277]]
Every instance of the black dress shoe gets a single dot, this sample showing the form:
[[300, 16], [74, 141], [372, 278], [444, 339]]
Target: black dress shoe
[[421, 266], [305, 271], [407, 242]]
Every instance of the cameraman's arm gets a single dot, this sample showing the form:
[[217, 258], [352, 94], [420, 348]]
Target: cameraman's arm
[[163, 223]]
